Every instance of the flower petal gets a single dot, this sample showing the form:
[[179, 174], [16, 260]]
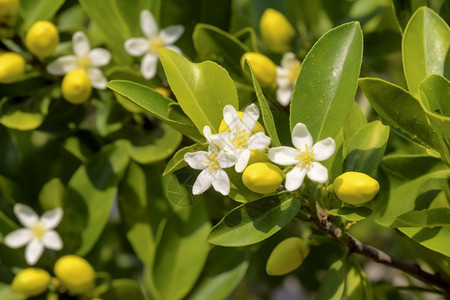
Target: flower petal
[[324, 149], [284, 96], [301, 138], [62, 65], [81, 45], [294, 178], [136, 46], [148, 24], [18, 238], [52, 240], [51, 218], [242, 162], [174, 48], [317, 172], [97, 79], [33, 251], [258, 141], [196, 160], [226, 160], [171, 34], [26, 215], [288, 60], [203, 182], [231, 117], [221, 182], [149, 65], [99, 57], [250, 117], [284, 156]]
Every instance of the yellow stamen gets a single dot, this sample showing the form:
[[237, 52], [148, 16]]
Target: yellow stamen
[[154, 44], [240, 139], [213, 161], [84, 62], [38, 231], [306, 157]]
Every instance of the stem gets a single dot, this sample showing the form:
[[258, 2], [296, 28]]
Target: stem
[[377, 255]]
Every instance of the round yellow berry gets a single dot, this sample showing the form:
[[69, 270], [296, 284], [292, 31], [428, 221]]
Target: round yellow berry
[[12, 67], [75, 274], [258, 156], [42, 38], [163, 91], [287, 256], [355, 187], [76, 86], [262, 177], [224, 127], [276, 31], [31, 282], [264, 69], [9, 8]]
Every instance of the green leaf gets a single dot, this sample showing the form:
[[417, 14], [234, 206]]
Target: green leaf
[[351, 213], [333, 284], [247, 36], [326, 85], [223, 271], [435, 238], [37, 10], [155, 103], [124, 289], [177, 188], [254, 221], [181, 253], [7, 293], [425, 44], [425, 218], [365, 149], [27, 114], [202, 101], [404, 9], [52, 194], [177, 161], [266, 114], [357, 286], [90, 194]]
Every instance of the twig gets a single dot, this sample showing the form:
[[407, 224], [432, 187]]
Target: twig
[[377, 255]]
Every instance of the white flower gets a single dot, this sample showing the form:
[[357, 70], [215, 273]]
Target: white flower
[[304, 156], [241, 140], [212, 164], [84, 58], [38, 232], [286, 77], [149, 46]]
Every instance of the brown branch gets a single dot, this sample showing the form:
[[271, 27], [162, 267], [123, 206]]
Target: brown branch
[[377, 255]]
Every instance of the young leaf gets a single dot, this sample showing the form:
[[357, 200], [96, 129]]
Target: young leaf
[[351, 213], [202, 101], [254, 221], [327, 82], [425, 44], [177, 161], [25, 115]]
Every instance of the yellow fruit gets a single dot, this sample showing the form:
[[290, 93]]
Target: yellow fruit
[[262, 177], [76, 86], [75, 274], [163, 91], [9, 8], [31, 282], [287, 256], [257, 156], [12, 67], [224, 127], [276, 31], [355, 187], [42, 38], [264, 69]]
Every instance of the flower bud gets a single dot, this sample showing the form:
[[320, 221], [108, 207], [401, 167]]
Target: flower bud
[[42, 39], [355, 187], [276, 31], [75, 274], [31, 282], [264, 69], [287, 256], [76, 86], [257, 156], [262, 177], [12, 67], [8, 8], [224, 127]]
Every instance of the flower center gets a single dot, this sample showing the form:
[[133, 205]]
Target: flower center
[[84, 62], [38, 230], [154, 44], [240, 139], [213, 161], [293, 72], [306, 157]]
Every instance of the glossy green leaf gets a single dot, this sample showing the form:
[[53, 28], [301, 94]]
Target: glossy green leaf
[[153, 102], [404, 9], [223, 271], [266, 114], [52, 194], [37, 10], [27, 114], [425, 44], [435, 238], [90, 195], [351, 213], [424, 218], [238, 191], [202, 101], [327, 82], [178, 187], [357, 286], [333, 284], [181, 253], [366, 147], [124, 289], [177, 161], [254, 221]]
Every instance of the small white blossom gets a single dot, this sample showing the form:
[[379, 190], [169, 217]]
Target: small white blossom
[[241, 139], [304, 156], [154, 40], [212, 164], [286, 77], [85, 59], [38, 232]]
